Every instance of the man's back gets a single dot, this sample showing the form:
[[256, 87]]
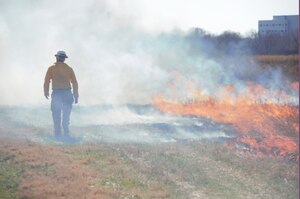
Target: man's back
[[62, 98], [62, 75]]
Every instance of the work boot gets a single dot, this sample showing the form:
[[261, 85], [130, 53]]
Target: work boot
[[57, 136]]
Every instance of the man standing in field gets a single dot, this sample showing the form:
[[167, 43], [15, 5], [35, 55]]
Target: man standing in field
[[61, 76]]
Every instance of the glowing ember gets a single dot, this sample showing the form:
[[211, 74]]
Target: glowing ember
[[269, 125]]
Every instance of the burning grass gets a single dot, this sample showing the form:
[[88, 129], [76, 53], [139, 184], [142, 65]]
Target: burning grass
[[183, 169], [267, 122]]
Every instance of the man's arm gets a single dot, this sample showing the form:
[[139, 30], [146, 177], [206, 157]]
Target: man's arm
[[74, 86], [47, 83]]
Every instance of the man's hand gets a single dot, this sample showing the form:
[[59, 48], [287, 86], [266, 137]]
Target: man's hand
[[76, 100], [47, 95]]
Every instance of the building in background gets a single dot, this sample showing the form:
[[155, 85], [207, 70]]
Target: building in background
[[283, 24]]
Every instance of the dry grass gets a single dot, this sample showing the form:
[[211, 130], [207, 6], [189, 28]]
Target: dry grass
[[277, 58], [288, 63], [170, 170], [167, 170]]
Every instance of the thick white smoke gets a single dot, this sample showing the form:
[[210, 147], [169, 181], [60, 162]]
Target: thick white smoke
[[116, 58], [104, 50]]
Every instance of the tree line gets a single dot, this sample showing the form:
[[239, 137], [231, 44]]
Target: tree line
[[232, 43]]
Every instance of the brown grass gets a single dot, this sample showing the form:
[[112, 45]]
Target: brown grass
[[174, 170], [277, 58], [288, 63], [49, 172]]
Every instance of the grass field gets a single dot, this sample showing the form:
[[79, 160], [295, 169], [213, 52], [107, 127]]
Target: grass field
[[42, 168], [174, 170]]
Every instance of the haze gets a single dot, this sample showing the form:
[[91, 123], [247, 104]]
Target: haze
[[116, 47]]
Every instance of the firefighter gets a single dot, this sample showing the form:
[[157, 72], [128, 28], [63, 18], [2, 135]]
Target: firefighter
[[61, 76]]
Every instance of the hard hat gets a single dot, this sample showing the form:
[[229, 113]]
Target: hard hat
[[61, 53]]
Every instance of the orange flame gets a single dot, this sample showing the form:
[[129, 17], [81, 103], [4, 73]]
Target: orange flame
[[267, 126]]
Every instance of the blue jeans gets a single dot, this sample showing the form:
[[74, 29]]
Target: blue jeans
[[61, 106]]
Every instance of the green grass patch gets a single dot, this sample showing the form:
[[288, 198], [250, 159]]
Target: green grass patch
[[122, 183], [10, 175]]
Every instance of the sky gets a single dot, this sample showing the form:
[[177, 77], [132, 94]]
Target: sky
[[116, 47], [215, 16]]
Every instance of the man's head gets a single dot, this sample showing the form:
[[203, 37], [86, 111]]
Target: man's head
[[61, 56]]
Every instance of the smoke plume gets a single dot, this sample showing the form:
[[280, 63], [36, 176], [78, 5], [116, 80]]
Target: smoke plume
[[116, 58]]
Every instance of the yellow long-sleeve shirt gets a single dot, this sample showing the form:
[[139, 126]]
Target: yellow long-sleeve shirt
[[62, 76]]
